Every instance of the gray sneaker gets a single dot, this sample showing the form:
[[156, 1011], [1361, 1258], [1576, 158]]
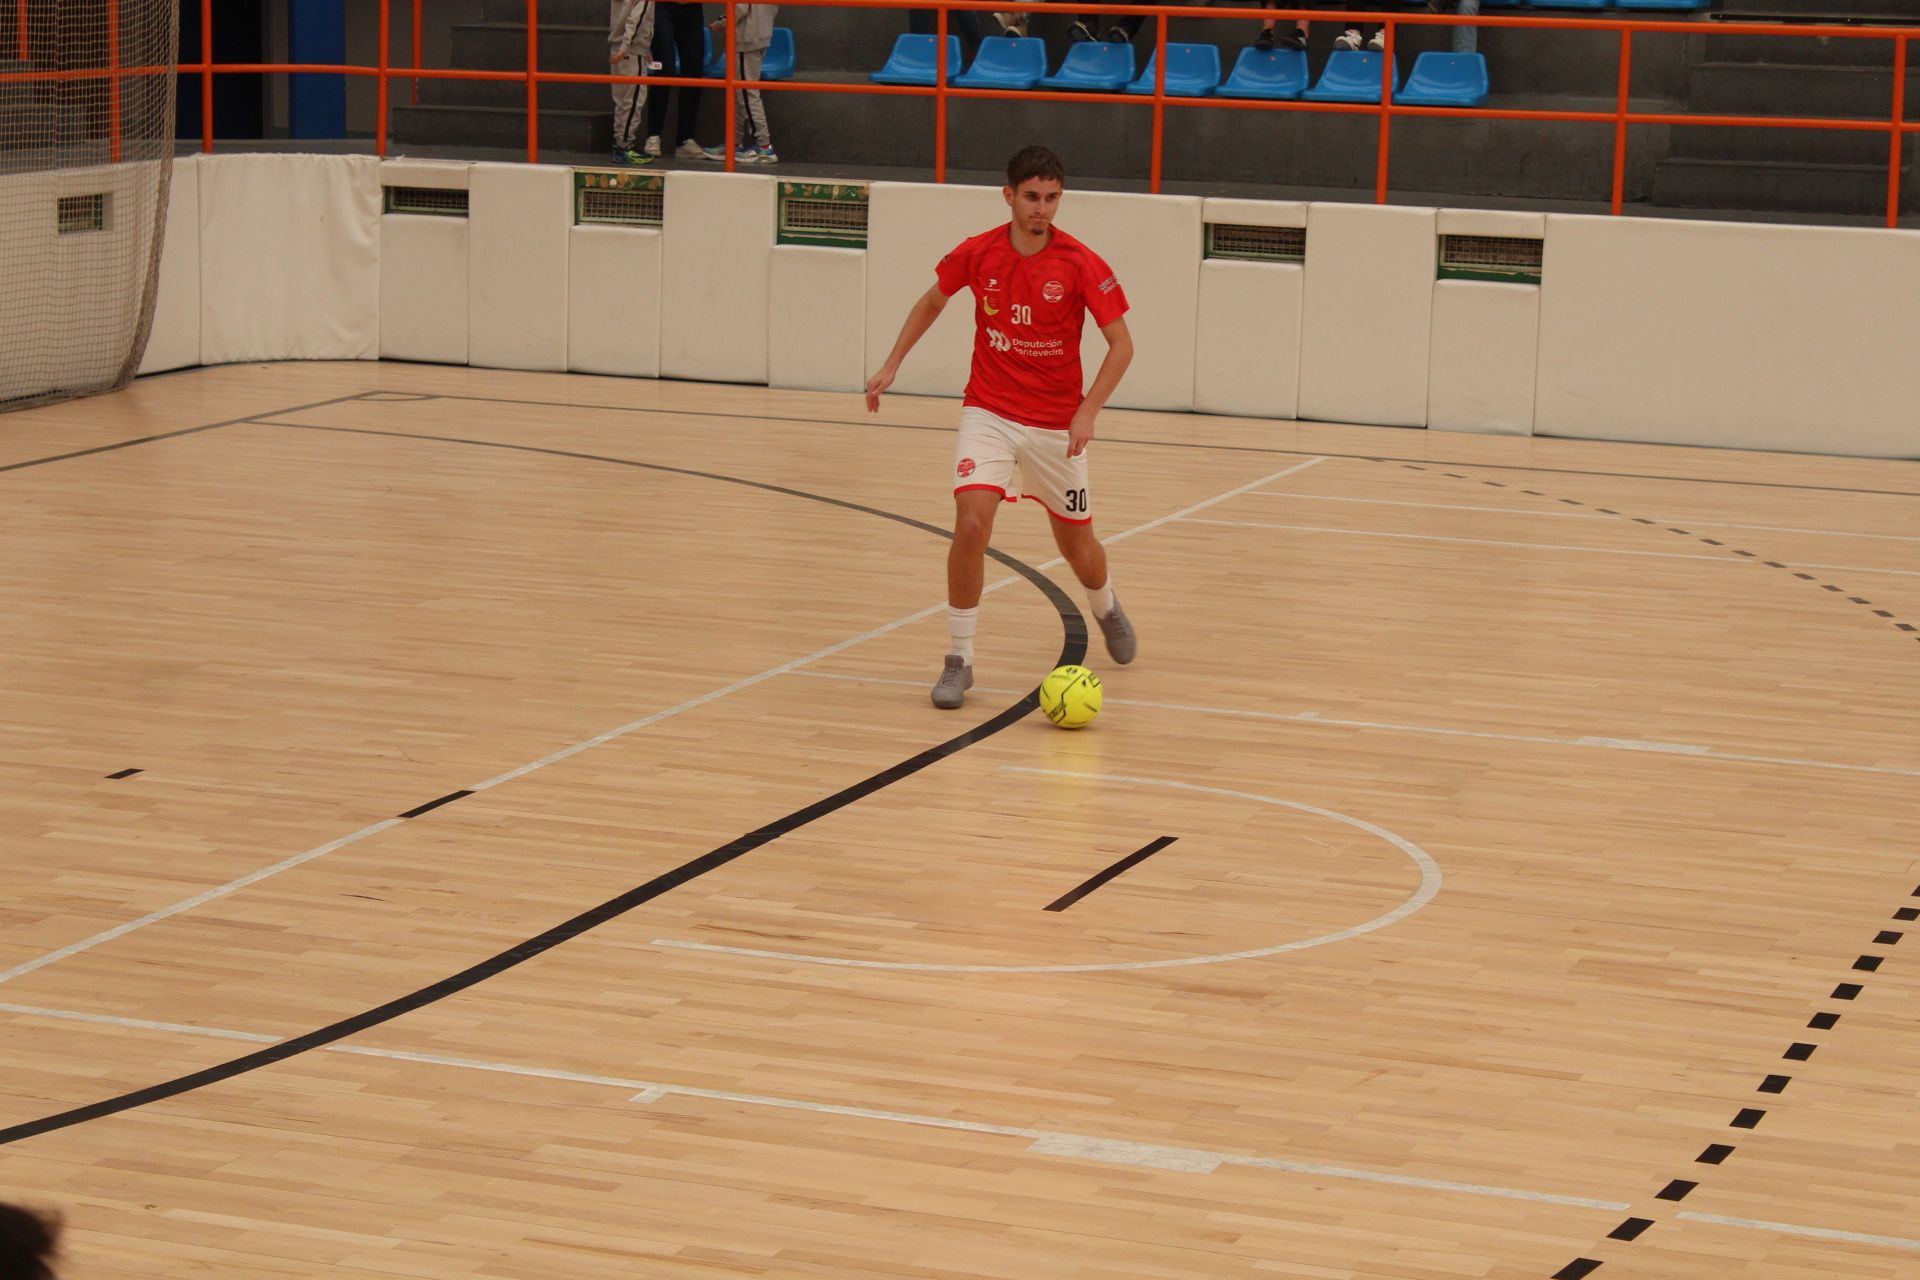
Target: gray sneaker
[[955, 679], [1122, 644]]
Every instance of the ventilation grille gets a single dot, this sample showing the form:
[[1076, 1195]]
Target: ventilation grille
[[833, 214], [82, 213], [619, 198], [1256, 244], [1515, 259], [439, 201]]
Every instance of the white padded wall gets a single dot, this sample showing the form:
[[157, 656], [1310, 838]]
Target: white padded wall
[[719, 246], [816, 319], [289, 258], [1748, 336], [424, 269], [1485, 340], [613, 300], [1153, 245], [1368, 314], [175, 341], [909, 227], [517, 223], [1246, 357]]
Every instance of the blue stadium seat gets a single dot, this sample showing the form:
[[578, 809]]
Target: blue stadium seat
[[1570, 4], [778, 64], [1267, 73], [1445, 80], [1095, 65], [1350, 76], [912, 61], [1193, 71], [781, 57], [1006, 62]]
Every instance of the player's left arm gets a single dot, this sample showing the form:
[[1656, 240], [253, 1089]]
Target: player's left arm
[[1112, 369]]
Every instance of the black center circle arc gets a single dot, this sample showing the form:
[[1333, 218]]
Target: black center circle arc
[[1073, 649]]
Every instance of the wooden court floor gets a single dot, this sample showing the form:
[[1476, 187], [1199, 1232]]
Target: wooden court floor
[[484, 825]]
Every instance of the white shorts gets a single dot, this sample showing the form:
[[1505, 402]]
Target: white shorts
[[992, 452]]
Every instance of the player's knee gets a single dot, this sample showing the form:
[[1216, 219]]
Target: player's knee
[[972, 531]]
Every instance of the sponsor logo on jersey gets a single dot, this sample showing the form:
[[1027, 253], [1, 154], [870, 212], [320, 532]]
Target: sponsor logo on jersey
[[993, 285], [987, 305], [965, 468], [1053, 291], [998, 340], [1109, 284]]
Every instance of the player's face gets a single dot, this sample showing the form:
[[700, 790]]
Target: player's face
[[1034, 202]]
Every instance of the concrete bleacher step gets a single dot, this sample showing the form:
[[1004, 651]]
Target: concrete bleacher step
[[1745, 88], [503, 47], [1789, 146], [1776, 187], [566, 13], [505, 127]]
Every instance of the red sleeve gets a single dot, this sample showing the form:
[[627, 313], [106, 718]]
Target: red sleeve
[[956, 269], [1105, 298]]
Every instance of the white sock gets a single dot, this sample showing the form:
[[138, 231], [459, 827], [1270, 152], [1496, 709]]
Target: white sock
[[960, 625], [1101, 598]]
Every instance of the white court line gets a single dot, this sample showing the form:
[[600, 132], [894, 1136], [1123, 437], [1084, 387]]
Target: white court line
[[1315, 718], [632, 726], [1788, 1228], [1430, 880], [1552, 546], [197, 900], [1043, 1142], [1689, 521]]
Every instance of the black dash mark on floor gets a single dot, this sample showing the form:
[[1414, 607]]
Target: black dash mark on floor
[[1828, 586], [1774, 564], [1714, 1154], [1630, 1229], [1904, 626], [1710, 542], [1879, 613], [1671, 529], [431, 805], [1846, 991], [1533, 493], [1907, 913], [1886, 938], [1799, 1051], [1823, 1021], [1133, 859], [1867, 964], [1775, 1084], [1804, 577], [1859, 600], [1453, 475], [1072, 650], [1738, 552], [124, 773], [1578, 1269], [1676, 1190], [1748, 1118], [1606, 511]]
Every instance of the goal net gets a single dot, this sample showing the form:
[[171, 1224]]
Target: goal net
[[86, 147]]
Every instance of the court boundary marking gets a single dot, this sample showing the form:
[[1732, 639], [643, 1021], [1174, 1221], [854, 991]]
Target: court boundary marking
[[1431, 879]]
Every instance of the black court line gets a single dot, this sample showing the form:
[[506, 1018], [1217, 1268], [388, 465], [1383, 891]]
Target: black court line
[[1073, 649], [174, 435], [124, 773], [1161, 444], [1132, 860]]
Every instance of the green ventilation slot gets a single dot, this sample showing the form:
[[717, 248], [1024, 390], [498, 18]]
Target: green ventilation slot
[[830, 214]]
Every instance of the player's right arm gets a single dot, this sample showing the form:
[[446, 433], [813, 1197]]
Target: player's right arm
[[920, 318]]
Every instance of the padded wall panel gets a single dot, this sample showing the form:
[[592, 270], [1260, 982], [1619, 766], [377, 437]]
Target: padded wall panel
[[424, 275], [1255, 213], [719, 247], [1153, 245], [1368, 314], [1247, 340], [613, 301], [1485, 340], [441, 175], [518, 219], [1746, 336], [175, 341], [909, 227], [1491, 222], [289, 258], [816, 330]]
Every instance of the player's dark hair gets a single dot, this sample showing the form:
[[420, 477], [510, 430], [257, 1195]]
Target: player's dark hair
[[27, 1243], [1035, 162]]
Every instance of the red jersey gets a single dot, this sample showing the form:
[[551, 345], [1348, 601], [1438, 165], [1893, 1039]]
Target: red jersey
[[1027, 321]]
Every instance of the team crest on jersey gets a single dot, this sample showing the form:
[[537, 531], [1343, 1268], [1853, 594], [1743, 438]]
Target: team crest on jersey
[[1053, 291], [965, 468], [986, 304]]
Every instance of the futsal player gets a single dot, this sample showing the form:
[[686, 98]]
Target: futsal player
[[1025, 426]]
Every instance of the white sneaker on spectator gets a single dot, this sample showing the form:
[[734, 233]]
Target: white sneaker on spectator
[[1349, 39], [689, 150], [1379, 42], [653, 146]]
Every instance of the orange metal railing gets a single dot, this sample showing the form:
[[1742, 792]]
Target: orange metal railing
[[1896, 126]]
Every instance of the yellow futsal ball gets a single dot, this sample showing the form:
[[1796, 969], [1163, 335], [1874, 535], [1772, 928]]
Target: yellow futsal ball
[[1070, 696]]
